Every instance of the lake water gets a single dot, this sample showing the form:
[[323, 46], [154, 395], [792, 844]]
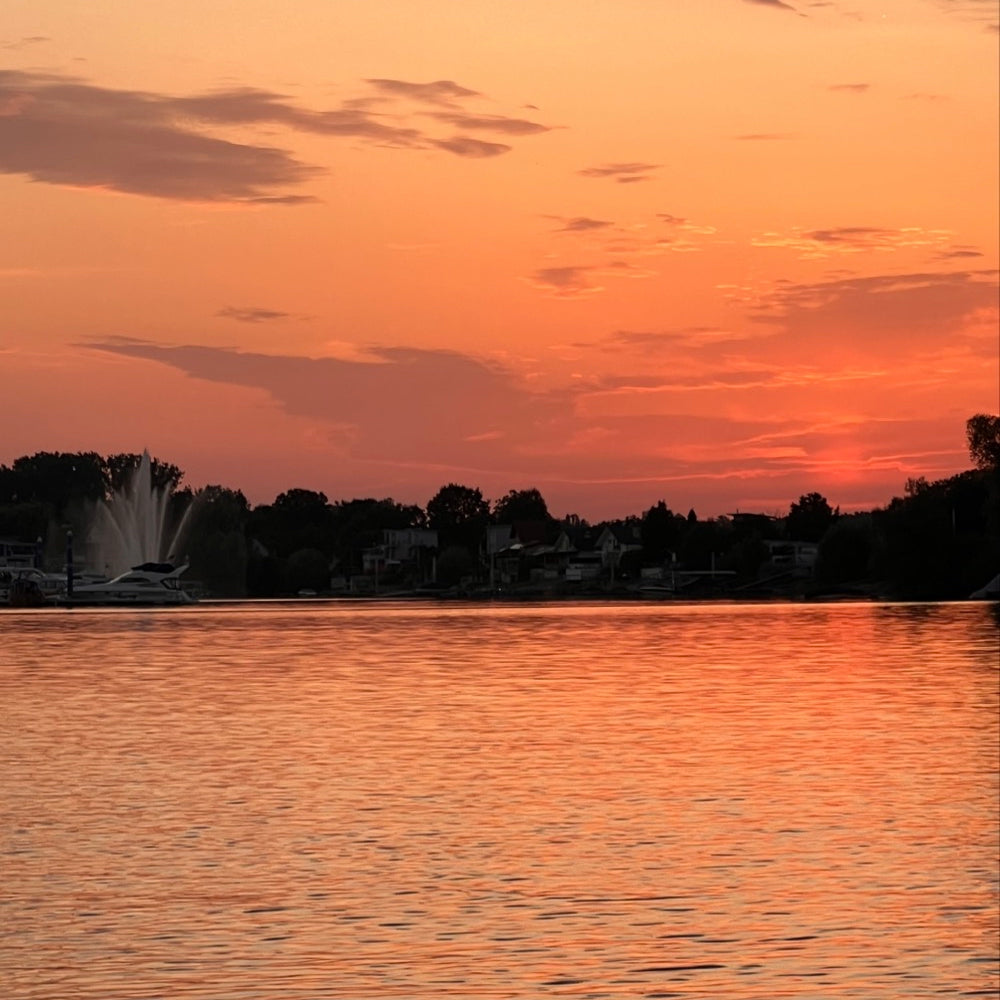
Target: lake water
[[304, 801]]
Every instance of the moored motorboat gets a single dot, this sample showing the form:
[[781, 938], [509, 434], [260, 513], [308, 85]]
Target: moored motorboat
[[988, 592], [28, 586], [150, 584]]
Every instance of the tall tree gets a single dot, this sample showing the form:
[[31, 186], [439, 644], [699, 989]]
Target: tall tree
[[301, 502], [215, 542], [660, 533], [297, 519], [459, 514], [218, 508], [455, 506], [983, 434], [360, 524], [809, 517], [54, 478], [520, 505]]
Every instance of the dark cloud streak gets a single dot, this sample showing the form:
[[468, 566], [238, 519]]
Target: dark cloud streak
[[23, 43], [251, 314], [465, 145], [778, 4], [490, 123], [435, 92], [623, 173], [924, 306], [62, 130], [582, 224], [407, 404]]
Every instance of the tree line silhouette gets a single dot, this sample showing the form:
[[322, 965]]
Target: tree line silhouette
[[940, 540]]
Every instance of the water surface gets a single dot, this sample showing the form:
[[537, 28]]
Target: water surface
[[332, 800]]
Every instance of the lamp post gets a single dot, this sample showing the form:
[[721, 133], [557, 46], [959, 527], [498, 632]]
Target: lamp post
[[69, 564]]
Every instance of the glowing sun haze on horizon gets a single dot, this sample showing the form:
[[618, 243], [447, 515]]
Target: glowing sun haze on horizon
[[719, 254]]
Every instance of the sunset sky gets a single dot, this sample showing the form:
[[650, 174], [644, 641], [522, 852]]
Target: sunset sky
[[716, 252]]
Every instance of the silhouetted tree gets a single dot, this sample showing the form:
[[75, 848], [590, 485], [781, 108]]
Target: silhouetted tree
[[303, 502], [263, 574], [453, 506], [215, 541], [359, 524], [297, 519], [454, 563], [217, 508], [24, 521], [306, 569], [703, 539], [660, 533], [520, 505], [983, 434], [846, 550], [939, 542], [459, 514], [809, 518], [56, 479]]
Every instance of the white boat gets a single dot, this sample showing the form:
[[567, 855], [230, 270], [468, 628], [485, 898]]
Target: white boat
[[989, 592], [151, 584]]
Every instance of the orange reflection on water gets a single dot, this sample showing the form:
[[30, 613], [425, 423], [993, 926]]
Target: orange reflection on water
[[398, 801]]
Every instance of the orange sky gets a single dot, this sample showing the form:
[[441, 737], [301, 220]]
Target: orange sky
[[720, 253]]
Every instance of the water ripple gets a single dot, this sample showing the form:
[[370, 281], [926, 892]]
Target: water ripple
[[335, 801]]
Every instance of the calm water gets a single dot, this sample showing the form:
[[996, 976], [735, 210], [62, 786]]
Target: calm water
[[311, 801]]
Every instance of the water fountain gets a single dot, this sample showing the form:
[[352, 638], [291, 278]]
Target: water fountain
[[133, 526]]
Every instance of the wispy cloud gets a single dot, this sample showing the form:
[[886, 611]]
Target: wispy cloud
[[252, 314], [958, 253], [610, 250], [765, 136], [576, 280], [63, 130], [779, 4], [982, 12], [396, 405], [850, 88], [567, 281], [623, 173], [819, 243], [882, 310], [464, 145], [435, 92], [583, 224], [22, 43], [490, 123], [666, 341]]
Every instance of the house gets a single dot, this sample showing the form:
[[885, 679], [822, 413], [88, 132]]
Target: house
[[615, 541], [798, 558], [20, 554], [403, 551], [521, 552], [596, 553]]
